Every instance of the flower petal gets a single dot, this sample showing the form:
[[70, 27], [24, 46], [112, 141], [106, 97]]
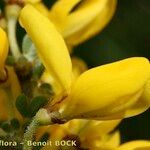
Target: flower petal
[[50, 45], [94, 26], [42, 8], [86, 13], [108, 91], [61, 9]]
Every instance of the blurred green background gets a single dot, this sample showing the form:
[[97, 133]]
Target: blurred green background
[[127, 35]]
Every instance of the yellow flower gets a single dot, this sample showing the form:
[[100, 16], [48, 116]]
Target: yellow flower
[[89, 18], [3, 48], [107, 92], [111, 91], [42, 8], [135, 145], [39, 5], [91, 134]]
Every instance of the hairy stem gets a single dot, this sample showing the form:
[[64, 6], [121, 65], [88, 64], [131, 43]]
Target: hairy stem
[[41, 118], [28, 136]]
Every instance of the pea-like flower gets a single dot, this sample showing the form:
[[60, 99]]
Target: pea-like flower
[[112, 91], [75, 20], [78, 20]]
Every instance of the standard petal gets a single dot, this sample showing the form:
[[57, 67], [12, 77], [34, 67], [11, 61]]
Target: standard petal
[[86, 20], [108, 91], [78, 20], [61, 9], [95, 26], [86, 13], [50, 45]]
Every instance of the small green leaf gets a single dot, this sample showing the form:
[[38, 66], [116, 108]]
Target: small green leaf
[[36, 104], [22, 105]]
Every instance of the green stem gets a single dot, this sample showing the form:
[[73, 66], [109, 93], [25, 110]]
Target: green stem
[[28, 136], [12, 21]]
